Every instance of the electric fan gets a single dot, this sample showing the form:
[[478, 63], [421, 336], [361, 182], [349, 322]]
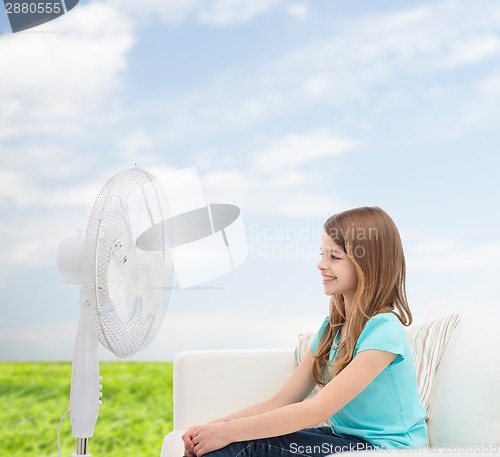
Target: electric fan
[[125, 279]]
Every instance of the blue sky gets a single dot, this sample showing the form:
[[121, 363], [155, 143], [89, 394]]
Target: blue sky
[[292, 110]]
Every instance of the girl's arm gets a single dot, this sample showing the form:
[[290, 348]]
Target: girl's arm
[[343, 388]]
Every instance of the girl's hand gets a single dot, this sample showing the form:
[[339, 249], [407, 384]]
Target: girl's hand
[[210, 437], [187, 437]]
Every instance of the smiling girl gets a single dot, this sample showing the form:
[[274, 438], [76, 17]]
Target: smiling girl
[[360, 356]]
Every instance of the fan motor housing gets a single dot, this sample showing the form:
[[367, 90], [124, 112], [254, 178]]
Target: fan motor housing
[[70, 260]]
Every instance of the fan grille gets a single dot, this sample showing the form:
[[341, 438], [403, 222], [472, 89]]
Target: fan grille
[[132, 285]]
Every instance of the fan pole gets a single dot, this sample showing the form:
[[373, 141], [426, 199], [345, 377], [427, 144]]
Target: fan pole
[[81, 446], [85, 388]]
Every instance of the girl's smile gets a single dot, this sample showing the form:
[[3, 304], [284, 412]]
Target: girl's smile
[[328, 278]]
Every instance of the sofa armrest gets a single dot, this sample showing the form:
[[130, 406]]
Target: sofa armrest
[[211, 384]]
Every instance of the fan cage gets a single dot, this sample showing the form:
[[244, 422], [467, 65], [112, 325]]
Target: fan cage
[[132, 285]]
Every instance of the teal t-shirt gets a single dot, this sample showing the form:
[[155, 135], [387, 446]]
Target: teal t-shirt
[[388, 412]]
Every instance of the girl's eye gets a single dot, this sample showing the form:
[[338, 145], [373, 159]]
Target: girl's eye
[[333, 257]]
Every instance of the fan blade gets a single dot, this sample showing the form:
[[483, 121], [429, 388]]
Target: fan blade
[[136, 284]]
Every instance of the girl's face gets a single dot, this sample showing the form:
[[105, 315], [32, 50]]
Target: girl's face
[[337, 269]]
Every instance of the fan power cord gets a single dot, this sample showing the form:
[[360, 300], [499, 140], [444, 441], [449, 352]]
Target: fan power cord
[[59, 433]]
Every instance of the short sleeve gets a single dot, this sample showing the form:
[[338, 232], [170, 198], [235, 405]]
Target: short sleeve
[[384, 332], [316, 341]]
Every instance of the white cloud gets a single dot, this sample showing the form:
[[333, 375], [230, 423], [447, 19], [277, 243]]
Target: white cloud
[[489, 86], [39, 341], [169, 11], [65, 71], [298, 149], [335, 70], [224, 12], [214, 12], [450, 256], [46, 213], [41, 210], [473, 49], [307, 203], [32, 240], [80, 65], [435, 246], [252, 192], [299, 11], [19, 190], [134, 144], [363, 71], [277, 179], [317, 85]]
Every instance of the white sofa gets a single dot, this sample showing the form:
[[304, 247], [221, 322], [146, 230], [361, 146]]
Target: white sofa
[[465, 397]]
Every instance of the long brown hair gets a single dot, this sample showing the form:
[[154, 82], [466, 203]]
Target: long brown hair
[[371, 240]]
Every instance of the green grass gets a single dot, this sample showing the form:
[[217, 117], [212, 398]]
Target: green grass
[[135, 415]]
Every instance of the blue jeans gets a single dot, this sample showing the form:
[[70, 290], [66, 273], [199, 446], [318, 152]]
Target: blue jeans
[[311, 442]]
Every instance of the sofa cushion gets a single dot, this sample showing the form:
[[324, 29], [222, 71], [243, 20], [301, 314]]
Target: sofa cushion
[[466, 394]]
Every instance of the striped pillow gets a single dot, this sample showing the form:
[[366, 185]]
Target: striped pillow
[[427, 341]]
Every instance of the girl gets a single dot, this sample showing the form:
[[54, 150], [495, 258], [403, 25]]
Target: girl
[[360, 356]]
